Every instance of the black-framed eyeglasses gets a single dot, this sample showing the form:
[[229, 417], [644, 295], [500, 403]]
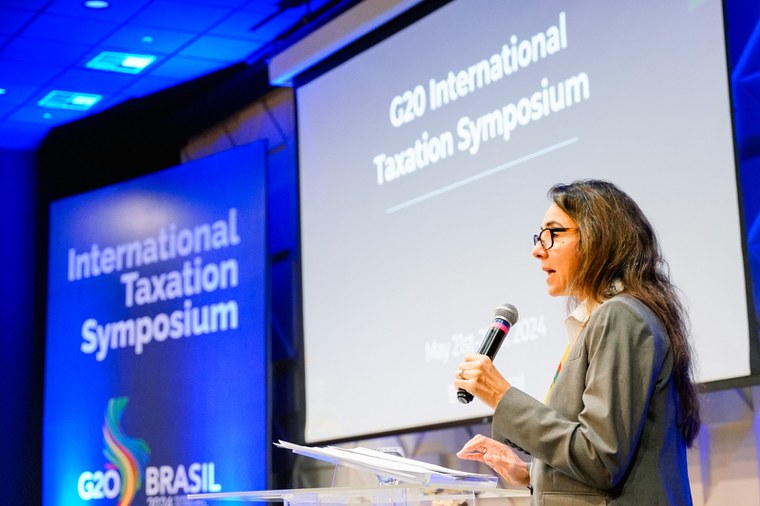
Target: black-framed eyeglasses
[[547, 239]]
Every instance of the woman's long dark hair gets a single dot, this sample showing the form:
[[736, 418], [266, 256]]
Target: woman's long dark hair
[[617, 242]]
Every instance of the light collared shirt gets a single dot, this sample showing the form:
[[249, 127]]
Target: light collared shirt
[[575, 322], [580, 316]]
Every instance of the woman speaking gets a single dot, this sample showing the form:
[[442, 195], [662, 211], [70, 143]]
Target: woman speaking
[[622, 408]]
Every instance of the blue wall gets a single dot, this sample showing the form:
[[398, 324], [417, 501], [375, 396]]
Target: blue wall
[[22, 346], [743, 23]]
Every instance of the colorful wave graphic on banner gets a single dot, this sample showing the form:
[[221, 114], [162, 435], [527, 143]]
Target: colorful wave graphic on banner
[[129, 455]]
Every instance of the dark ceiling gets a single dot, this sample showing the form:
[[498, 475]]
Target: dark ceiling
[[45, 45]]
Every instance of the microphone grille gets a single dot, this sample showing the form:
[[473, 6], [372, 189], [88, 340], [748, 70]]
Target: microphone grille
[[508, 313]]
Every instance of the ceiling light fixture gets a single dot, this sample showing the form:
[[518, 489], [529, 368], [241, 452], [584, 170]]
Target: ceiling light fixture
[[96, 4], [127, 63], [71, 100]]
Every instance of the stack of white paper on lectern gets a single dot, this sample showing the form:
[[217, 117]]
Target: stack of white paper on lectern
[[403, 469]]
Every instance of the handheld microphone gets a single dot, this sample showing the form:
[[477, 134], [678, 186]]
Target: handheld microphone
[[506, 315]]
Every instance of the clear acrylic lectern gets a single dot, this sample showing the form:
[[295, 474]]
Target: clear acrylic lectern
[[417, 483]]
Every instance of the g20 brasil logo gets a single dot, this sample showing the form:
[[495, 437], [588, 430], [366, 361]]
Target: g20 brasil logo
[[127, 465], [127, 458]]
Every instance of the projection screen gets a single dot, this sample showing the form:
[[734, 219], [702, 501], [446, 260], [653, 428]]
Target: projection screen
[[424, 165]]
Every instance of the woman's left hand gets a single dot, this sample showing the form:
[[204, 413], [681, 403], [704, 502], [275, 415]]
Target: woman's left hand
[[478, 376], [498, 457]]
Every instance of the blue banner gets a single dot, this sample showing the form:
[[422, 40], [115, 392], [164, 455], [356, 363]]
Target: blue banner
[[156, 360]]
